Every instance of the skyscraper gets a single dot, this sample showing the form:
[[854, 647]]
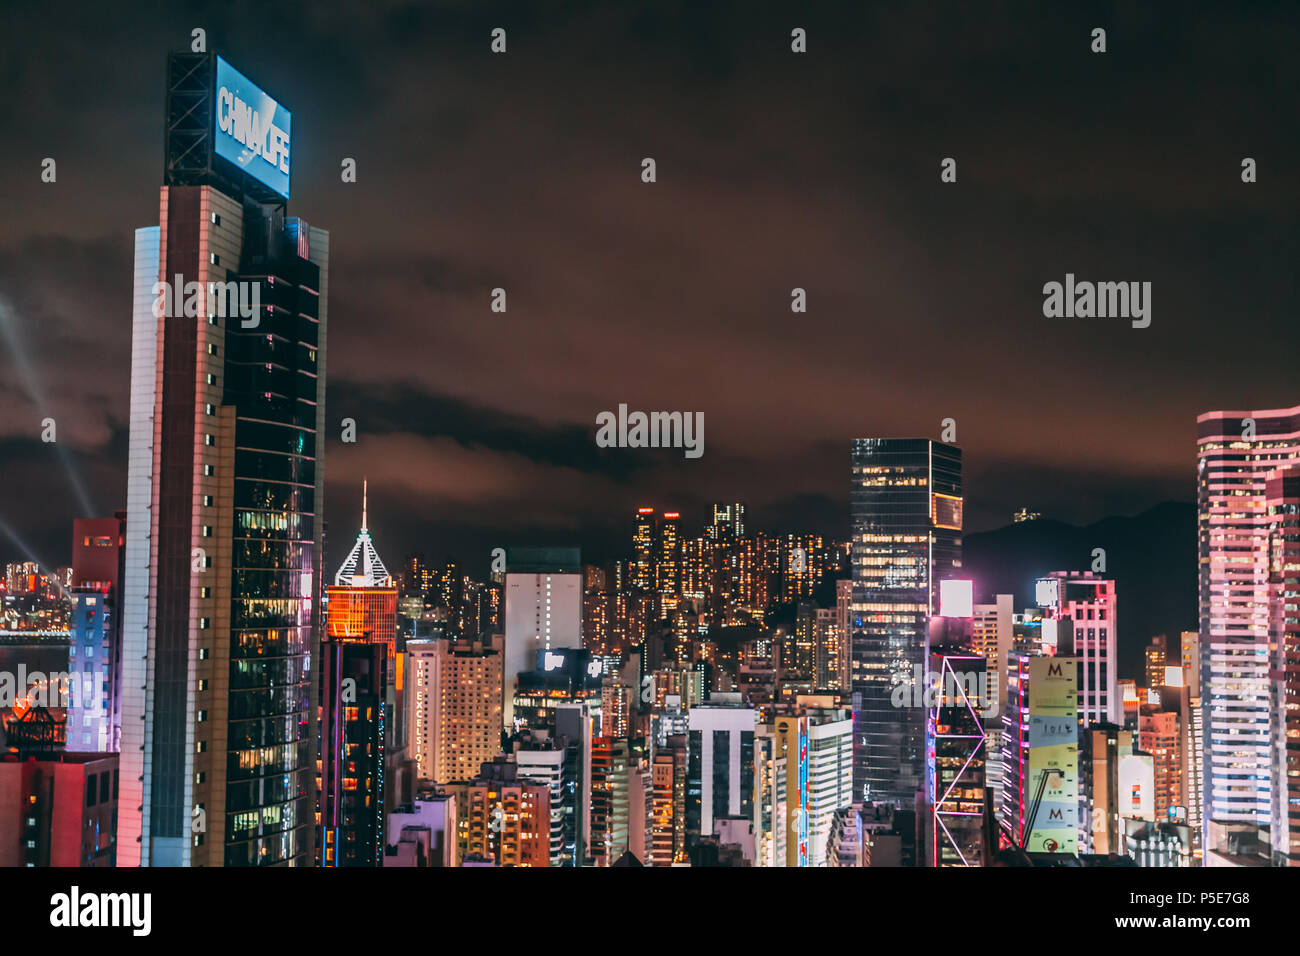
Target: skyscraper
[[543, 598], [224, 490], [357, 677], [455, 707], [644, 535], [906, 511], [1283, 495], [1236, 453]]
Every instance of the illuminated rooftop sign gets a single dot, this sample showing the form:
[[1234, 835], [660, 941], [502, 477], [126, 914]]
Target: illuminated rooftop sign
[[252, 130]]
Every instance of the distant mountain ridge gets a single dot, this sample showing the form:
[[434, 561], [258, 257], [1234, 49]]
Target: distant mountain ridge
[[1151, 556]]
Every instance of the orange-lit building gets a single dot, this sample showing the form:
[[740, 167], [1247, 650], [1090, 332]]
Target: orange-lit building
[[360, 694]]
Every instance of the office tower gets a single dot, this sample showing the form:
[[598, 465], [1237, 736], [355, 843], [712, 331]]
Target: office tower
[[358, 674], [668, 802], [362, 605], [509, 820], [57, 807], [1237, 451], [422, 832], [351, 792], [721, 767], [455, 707], [1157, 656], [223, 546], [94, 714], [1160, 735], [1040, 734], [906, 511], [644, 535], [1081, 606], [1282, 493], [955, 743], [543, 597]]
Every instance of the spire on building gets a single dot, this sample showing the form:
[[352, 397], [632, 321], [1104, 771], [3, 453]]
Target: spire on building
[[363, 568]]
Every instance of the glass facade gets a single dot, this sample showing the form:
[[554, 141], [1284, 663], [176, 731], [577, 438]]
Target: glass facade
[[906, 513], [271, 380]]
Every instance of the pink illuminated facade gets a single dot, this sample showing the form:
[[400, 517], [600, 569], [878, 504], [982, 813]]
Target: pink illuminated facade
[[1089, 601], [1237, 452]]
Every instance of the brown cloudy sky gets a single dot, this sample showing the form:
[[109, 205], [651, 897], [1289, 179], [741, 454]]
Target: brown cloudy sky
[[775, 170]]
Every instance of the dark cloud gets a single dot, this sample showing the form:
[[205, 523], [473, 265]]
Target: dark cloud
[[819, 171]]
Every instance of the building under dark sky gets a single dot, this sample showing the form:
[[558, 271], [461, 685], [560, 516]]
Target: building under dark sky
[[775, 171]]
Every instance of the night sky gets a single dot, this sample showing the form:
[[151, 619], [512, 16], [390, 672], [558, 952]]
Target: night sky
[[775, 170]]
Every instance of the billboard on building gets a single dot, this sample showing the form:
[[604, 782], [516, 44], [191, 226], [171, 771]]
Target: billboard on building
[[1054, 745], [251, 129]]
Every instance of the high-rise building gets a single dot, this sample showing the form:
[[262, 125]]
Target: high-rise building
[[906, 512], [1103, 748], [843, 622], [1040, 736], [728, 522], [1080, 606], [804, 774], [993, 636], [1237, 451], [543, 598], [1160, 735], [956, 754], [351, 789], [1156, 657], [94, 716], [1282, 492], [508, 820], [361, 725], [668, 803], [454, 698], [720, 779], [644, 535], [828, 648], [224, 492], [668, 564], [622, 799]]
